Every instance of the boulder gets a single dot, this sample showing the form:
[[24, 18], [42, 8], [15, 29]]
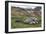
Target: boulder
[[31, 20]]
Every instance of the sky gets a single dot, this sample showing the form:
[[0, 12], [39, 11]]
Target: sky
[[24, 5]]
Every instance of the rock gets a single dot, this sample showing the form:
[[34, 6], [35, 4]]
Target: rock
[[18, 20], [31, 20]]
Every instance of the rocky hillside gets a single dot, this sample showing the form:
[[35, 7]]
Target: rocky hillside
[[17, 11]]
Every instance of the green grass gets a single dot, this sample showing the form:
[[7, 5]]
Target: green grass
[[15, 24]]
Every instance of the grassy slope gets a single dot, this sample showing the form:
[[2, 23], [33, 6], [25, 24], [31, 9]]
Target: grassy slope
[[15, 24]]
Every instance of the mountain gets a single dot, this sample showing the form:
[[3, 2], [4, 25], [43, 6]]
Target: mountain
[[16, 11]]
